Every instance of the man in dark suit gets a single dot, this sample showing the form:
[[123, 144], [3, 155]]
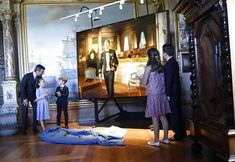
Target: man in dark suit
[[108, 62], [173, 91], [28, 94]]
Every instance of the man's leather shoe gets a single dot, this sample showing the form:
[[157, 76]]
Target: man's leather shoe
[[24, 132], [35, 131], [174, 139]]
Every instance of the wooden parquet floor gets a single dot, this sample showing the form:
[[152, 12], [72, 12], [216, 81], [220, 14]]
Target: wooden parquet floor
[[29, 148]]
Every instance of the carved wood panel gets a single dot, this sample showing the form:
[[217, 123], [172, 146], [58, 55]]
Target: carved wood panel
[[211, 75], [213, 68], [211, 98]]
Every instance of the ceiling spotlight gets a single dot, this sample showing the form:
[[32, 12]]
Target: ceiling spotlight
[[120, 6], [101, 10], [89, 15], [141, 1], [76, 17], [95, 16]]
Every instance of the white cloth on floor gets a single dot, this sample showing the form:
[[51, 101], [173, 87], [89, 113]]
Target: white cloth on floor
[[114, 131]]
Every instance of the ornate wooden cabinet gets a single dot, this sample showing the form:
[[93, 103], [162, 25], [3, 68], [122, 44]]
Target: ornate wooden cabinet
[[211, 78]]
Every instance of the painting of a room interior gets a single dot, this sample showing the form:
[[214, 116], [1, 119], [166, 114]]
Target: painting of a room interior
[[130, 39]]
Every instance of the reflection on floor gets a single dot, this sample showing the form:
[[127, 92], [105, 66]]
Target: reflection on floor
[[95, 88]]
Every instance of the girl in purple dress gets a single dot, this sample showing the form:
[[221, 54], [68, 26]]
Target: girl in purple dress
[[157, 103], [42, 95]]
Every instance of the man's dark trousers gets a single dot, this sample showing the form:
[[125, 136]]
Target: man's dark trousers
[[25, 115], [109, 81]]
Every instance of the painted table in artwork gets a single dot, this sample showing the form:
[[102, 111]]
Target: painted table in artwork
[[89, 88]]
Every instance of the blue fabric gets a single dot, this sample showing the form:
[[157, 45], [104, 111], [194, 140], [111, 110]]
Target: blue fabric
[[57, 134]]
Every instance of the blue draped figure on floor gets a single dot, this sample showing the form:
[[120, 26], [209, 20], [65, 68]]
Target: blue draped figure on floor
[[60, 135]]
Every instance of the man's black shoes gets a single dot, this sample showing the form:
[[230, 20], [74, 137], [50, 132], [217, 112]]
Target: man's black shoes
[[174, 138], [35, 131], [24, 132]]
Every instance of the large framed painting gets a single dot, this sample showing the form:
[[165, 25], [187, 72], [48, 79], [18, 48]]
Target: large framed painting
[[51, 42], [130, 39]]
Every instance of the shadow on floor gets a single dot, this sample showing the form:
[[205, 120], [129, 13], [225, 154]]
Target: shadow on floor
[[128, 120]]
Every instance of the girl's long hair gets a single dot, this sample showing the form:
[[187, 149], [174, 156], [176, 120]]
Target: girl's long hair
[[154, 60], [38, 81]]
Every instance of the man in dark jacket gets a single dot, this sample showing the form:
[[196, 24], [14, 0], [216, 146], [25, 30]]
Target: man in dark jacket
[[173, 91], [28, 94], [108, 62]]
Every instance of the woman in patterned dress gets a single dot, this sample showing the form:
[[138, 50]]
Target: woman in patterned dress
[[157, 103]]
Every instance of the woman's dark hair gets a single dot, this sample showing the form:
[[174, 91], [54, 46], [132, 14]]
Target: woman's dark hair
[[154, 60], [39, 67]]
